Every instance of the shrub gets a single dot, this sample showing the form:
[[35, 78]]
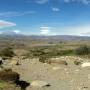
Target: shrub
[[9, 75], [38, 53], [84, 50], [7, 52], [22, 84], [43, 58], [77, 62], [65, 52]]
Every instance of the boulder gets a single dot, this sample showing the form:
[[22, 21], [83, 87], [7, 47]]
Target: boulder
[[85, 64], [14, 62], [38, 83], [59, 62]]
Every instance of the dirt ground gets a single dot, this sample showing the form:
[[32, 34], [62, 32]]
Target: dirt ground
[[60, 77]]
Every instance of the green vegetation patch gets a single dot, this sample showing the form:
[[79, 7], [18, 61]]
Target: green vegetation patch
[[3, 85], [83, 50]]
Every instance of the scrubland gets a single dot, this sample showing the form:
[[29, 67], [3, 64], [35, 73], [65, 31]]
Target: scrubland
[[45, 65]]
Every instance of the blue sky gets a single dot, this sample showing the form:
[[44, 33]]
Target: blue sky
[[45, 17]]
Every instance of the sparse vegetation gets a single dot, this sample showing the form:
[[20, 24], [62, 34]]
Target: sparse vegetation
[[7, 52], [61, 56], [77, 62], [2, 85], [9, 78], [6, 86], [83, 50], [8, 75], [43, 58], [49, 51]]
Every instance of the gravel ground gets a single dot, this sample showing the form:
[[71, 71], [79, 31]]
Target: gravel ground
[[60, 77]]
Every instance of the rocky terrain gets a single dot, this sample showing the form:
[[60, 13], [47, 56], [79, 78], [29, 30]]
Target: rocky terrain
[[54, 76]]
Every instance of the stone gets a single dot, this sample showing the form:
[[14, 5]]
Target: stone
[[86, 64], [38, 83], [56, 68]]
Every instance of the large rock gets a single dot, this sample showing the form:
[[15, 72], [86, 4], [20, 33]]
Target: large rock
[[59, 62], [38, 83], [85, 64], [14, 62]]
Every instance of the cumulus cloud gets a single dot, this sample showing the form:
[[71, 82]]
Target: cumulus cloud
[[6, 24], [14, 14]]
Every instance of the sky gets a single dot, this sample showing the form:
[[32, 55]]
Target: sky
[[45, 17]]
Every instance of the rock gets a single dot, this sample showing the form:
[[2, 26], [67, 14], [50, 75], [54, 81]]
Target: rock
[[14, 62], [38, 83], [89, 76], [56, 68], [86, 64], [59, 62], [77, 70], [0, 58]]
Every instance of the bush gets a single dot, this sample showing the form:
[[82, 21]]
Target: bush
[[65, 52], [43, 58], [7, 52], [77, 62], [84, 50], [9, 75]]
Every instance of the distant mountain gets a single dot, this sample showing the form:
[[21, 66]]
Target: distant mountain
[[9, 33], [14, 35], [23, 41], [60, 37]]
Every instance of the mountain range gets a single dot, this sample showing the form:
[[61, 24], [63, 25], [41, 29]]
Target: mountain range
[[14, 35]]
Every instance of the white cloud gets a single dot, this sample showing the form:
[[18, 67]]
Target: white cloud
[[44, 30], [80, 30], [47, 31], [41, 1], [78, 1], [85, 1], [55, 9], [66, 1], [0, 32], [6, 24], [86, 34], [55, 1], [16, 31], [14, 14]]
